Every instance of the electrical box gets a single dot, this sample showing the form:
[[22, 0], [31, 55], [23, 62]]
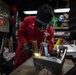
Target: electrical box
[[4, 17]]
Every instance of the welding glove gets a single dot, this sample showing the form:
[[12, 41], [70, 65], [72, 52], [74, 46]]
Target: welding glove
[[27, 48]]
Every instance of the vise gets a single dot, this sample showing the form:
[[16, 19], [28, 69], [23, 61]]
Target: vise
[[53, 64]]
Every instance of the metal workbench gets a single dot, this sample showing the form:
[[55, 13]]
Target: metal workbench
[[28, 68], [71, 50]]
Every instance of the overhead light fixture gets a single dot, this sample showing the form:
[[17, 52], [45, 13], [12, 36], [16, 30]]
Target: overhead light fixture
[[62, 10], [30, 12]]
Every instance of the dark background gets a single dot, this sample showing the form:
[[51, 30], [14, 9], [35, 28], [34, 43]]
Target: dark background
[[34, 4]]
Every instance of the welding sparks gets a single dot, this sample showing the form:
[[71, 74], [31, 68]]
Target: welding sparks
[[37, 54]]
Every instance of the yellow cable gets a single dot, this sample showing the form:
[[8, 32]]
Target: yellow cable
[[57, 43]]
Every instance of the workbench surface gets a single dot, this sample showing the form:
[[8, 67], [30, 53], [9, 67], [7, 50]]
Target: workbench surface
[[28, 68]]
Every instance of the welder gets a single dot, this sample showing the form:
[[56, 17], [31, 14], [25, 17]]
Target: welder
[[34, 28]]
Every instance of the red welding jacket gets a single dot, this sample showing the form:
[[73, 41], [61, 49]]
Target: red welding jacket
[[29, 32]]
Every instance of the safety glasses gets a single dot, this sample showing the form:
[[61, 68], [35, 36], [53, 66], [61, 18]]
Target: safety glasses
[[42, 25]]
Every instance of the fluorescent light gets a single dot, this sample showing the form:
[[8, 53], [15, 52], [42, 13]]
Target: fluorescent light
[[30, 12], [62, 10]]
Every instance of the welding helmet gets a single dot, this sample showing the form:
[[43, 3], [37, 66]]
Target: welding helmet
[[44, 17]]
